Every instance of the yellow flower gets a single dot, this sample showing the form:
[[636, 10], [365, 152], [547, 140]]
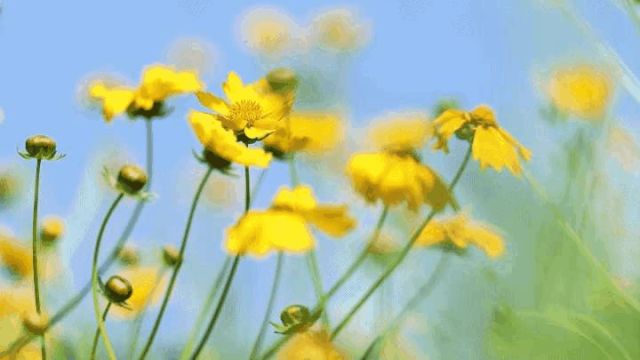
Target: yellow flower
[[15, 301], [395, 178], [158, 83], [491, 145], [338, 29], [312, 132], [249, 110], [223, 142], [461, 232], [15, 256], [581, 90], [267, 31], [285, 225], [310, 345], [52, 228], [148, 287], [401, 133]]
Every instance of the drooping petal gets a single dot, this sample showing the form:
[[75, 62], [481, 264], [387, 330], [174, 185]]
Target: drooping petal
[[492, 149], [446, 125], [332, 220], [213, 102]]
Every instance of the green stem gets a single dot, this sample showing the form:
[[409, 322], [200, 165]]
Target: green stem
[[94, 279], [204, 309], [94, 347], [247, 190], [403, 254], [258, 184], [218, 311], [139, 320], [72, 303], [272, 297], [176, 269], [34, 247]]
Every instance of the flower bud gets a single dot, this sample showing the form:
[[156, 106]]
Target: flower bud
[[282, 80], [131, 179], [171, 255], [118, 289], [40, 147], [52, 229], [295, 318], [128, 255], [466, 132], [35, 323]]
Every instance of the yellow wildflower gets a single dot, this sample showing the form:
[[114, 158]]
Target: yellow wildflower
[[52, 229], [249, 110], [15, 301], [158, 83], [15, 256], [491, 145], [339, 29], [461, 232], [148, 287], [312, 132], [395, 178], [28, 352], [268, 31], [224, 143], [285, 225], [401, 133], [581, 90], [310, 345]]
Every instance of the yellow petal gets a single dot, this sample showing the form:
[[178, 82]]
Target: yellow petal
[[404, 132], [233, 87], [332, 220], [446, 125], [115, 100], [491, 148], [213, 102], [486, 239], [160, 81], [433, 233], [310, 345], [299, 199]]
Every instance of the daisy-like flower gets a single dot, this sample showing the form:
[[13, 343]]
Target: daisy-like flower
[[584, 91], [491, 145], [285, 226], [268, 31], [148, 287], [310, 345], [223, 142], [460, 232], [339, 30], [312, 132], [158, 83], [15, 256], [394, 174], [250, 110]]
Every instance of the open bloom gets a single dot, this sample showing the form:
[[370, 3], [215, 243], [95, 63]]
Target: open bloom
[[312, 132], [491, 145], [460, 232], [310, 345], [248, 110], [285, 226], [583, 91], [158, 83], [148, 286], [224, 143]]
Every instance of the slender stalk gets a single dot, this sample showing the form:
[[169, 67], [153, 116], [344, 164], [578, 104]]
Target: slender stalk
[[34, 247], [94, 347], [403, 254], [72, 303], [272, 297], [176, 269], [94, 279], [205, 308], [218, 311], [247, 190], [258, 184], [139, 320]]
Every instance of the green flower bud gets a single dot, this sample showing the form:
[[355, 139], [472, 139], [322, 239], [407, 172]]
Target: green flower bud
[[466, 132], [118, 289], [282, 80], [131, 179], [295, 318], [40, 147], [171, 255], [35, 323]]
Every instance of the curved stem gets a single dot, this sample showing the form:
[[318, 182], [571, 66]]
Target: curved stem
[[94, 279], [403, 254], [94, 347], [139, 320], [34, 248], [205, 308], [314, 272], [176, 269], [270, 303], [72, 303]]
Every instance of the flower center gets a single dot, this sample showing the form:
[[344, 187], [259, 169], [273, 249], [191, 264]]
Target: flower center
[[247, 111]]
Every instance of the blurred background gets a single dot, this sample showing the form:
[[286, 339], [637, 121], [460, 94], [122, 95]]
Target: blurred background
[[542, 300]]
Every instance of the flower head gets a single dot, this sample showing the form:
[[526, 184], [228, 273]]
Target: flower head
[[268, 31], [581, 90], [148, 287], [285, 225], [311, 132], [491, 145], [158, 82], [250, 110], [15, 256], [459, 231], [40, 147], [52, 229], [310, 345]]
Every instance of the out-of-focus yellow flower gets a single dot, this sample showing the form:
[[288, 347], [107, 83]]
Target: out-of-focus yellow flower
[[310, 345], [581, 90], [224, 143], [492, 145], [148, 286], [15, 256], [268, 31], [312, 132], [158, 83], [15, 300], [29, 352], [395, 179], [339, 29], [625, 149], [401, 133], [461, 232], [52, 229], [249, 109], [285, 225]]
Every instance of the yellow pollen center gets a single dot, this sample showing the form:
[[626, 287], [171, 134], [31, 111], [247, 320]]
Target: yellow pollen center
[[246, 111]]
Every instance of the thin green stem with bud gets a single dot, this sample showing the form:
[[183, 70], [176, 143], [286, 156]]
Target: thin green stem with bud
[[35, 245], [176, 269], [94, 279], [94, 347]]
